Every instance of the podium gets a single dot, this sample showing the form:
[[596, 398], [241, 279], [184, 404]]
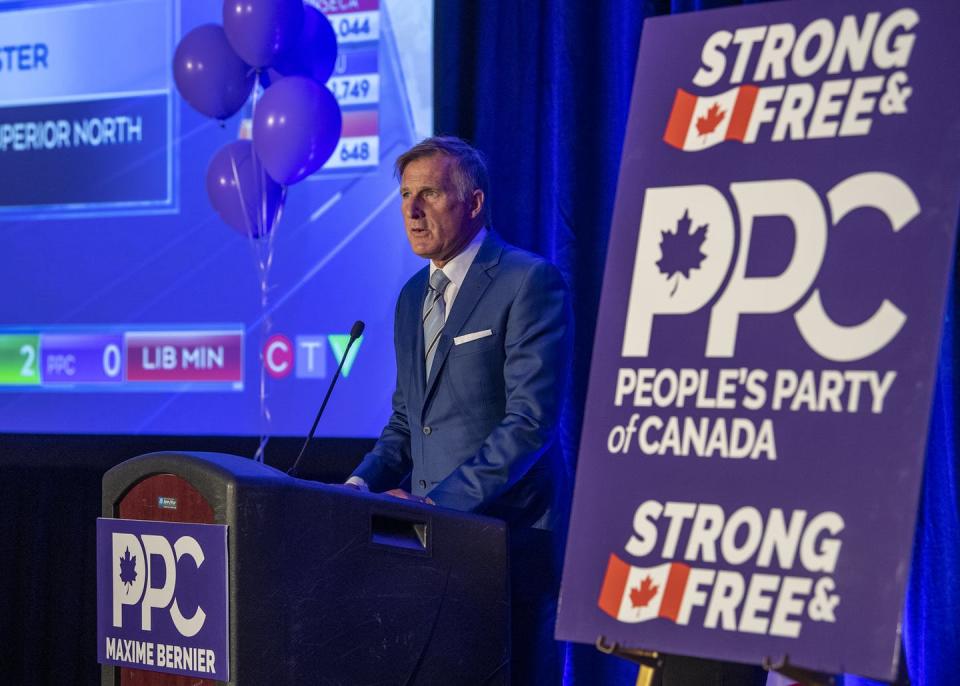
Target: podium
[[328, 585]]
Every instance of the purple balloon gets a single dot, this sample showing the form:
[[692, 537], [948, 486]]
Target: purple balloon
[[209, 74], [261, 30], [243, 195], [314, 54], [295, 128]]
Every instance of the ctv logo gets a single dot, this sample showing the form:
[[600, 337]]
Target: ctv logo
[[685, 255], [145, 574], [307, 355]]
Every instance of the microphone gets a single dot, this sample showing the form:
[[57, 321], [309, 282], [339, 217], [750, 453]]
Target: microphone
[[355, 333]]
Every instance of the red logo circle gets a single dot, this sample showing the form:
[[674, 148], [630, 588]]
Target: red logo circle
[[278, 356]]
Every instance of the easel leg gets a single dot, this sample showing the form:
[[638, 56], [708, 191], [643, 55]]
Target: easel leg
[[648, 660], [645, 675]]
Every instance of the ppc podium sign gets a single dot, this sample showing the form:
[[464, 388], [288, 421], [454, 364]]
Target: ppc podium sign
[[767, 339], [162, 597]]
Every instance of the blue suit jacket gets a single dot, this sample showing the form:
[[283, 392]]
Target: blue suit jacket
[[480, 434]]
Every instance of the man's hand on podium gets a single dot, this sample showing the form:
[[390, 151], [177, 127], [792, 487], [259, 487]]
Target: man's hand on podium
[[356, 483], [405, 495]]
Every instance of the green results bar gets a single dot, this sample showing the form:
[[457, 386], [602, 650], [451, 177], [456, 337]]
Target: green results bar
[[19, 360]]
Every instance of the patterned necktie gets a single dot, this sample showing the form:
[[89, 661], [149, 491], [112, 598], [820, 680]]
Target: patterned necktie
[[434, 313]]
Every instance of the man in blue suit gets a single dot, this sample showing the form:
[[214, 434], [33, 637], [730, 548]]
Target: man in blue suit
[[482, 337]]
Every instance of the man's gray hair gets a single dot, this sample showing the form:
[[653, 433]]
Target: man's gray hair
[[469, 169]]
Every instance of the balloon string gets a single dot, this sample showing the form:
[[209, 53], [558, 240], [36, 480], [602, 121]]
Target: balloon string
[[257, 166], [261, 237], [236, 185], [253, 153]]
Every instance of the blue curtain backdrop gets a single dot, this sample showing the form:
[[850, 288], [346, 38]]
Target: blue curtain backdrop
[[543, 87]]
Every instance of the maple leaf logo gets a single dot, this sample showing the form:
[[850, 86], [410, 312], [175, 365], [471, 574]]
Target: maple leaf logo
[[680, 250], [644, 593], [708, 123], [128, 569]]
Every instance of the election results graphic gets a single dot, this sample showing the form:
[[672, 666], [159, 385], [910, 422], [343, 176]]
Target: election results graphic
[[149, 359], [762, 375], [123, 360], [87, 115], [133, 308], [162, 597]]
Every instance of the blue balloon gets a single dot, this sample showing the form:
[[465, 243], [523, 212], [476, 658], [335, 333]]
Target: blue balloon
[[262, 30], [243, 195], [209, 74], [295, 128], [315, 53]]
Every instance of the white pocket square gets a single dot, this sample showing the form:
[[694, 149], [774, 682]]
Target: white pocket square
[[467, 337]]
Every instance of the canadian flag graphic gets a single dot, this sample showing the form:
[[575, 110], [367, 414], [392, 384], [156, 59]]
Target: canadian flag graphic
[[699, 123], [636, 594]]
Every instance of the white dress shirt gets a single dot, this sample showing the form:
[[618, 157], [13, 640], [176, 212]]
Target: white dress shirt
[[456, 270]]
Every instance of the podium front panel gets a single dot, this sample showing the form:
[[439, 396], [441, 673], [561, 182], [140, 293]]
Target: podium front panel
[[330, 585]]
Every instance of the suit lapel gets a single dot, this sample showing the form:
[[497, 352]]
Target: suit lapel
[[474, 284]]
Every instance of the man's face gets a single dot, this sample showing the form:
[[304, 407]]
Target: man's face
[[439, 224]]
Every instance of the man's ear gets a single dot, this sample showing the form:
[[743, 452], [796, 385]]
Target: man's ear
[[476, 203]]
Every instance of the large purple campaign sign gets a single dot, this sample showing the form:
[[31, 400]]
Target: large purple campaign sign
[[758, 403], [162, 597]]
